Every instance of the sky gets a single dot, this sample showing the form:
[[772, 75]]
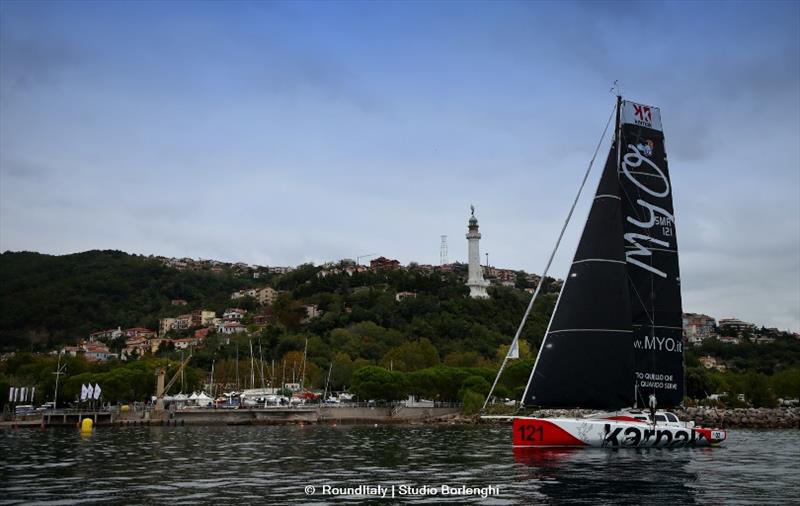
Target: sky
[[280, 133]]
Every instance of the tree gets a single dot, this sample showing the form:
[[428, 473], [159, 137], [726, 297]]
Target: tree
[[341, 371], [757, 391], [411, 356], [524, 350], [463, 359], [377, 383]]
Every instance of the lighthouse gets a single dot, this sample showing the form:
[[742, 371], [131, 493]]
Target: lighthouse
[[477, 285]]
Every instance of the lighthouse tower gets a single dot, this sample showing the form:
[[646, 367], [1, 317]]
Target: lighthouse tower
[[477, 285]]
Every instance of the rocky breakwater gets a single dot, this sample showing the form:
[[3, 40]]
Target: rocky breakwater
[[764, 418]]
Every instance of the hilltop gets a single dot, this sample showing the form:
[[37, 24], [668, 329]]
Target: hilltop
[[49, 300]]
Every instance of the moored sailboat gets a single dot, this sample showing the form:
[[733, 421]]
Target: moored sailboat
[[614, 341]]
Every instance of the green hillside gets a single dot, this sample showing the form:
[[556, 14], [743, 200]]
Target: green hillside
[[47, 300], [438, 342]]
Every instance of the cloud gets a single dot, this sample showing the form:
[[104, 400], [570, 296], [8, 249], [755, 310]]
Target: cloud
[[27, 62], [24, 170], [282, 133]]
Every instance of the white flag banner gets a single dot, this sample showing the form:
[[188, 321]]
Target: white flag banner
[[97, 391], [83, 392], [513, 351], [33, 392], [89, 391], [12, 392], [24, 395]]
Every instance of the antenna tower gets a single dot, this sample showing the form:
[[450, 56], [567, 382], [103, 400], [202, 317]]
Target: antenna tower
[[443, 251]]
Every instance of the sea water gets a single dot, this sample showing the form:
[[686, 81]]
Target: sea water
[[323, 464]]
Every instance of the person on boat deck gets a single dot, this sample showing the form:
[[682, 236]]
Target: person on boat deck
[[652, 403]]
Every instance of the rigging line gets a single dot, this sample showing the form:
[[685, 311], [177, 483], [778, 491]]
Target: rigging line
[[515, 341], [644, 307]]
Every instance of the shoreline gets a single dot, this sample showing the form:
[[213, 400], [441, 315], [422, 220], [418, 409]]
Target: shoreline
[[752, 418]]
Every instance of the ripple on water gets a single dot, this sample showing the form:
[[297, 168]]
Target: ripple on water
[[208, 465]]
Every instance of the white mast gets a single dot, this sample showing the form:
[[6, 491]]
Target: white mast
[[211, 387], [327, 382], [303, 375], [59, 371], [252, 366]]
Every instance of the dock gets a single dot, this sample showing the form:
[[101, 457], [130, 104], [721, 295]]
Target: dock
[[272, 415]]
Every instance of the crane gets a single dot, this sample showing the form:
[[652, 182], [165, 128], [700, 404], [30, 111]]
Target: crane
[[160, 388], [359, 257]]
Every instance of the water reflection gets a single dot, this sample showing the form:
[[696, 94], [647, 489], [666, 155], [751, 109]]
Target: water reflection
[[611, 475], [207, 465]]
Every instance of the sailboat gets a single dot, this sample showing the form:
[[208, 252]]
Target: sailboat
[[614, 342]]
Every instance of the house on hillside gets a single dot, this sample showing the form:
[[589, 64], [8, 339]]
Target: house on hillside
[[384, 263], [97, 352], [105, 335], [185, 343], [312, 311], [233, 314], [139, 332], [710, 362], [697, 328], [231, 328]]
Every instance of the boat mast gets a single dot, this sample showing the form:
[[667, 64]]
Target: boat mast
[[618, 141], [59, 371], [183, 377], [303, 374], [261, 363], [211, 387], [252, 366], [237, 366], [327, 382]]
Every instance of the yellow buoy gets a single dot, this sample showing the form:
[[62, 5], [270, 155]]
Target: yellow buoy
[[86, 426]]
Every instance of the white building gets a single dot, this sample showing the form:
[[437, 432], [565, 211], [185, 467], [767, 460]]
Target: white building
[[477, 285], [231, 328]]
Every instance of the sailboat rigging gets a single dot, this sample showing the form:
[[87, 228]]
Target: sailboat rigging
[[614, 340]]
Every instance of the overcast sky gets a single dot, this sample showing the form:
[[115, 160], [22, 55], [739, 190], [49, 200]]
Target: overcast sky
[[281, 133]]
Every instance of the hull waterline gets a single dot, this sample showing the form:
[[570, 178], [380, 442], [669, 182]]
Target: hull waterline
[[530, 432]]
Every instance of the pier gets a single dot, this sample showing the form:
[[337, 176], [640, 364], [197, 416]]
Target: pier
[[273, 415]]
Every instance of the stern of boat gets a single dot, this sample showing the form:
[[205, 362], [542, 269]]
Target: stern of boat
[[538, 432]]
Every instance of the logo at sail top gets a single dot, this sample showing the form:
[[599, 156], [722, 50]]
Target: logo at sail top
[[642, 115]]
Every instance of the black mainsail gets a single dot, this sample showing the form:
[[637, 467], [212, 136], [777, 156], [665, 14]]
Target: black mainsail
[[615, 334]]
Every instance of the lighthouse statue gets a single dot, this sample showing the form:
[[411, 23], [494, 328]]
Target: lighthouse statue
[[477, 285]]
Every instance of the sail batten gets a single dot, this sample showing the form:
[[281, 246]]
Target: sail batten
[[589, 330], [615, 334]]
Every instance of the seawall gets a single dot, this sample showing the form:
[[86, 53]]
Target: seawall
[[280, 416], [766, 418]]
